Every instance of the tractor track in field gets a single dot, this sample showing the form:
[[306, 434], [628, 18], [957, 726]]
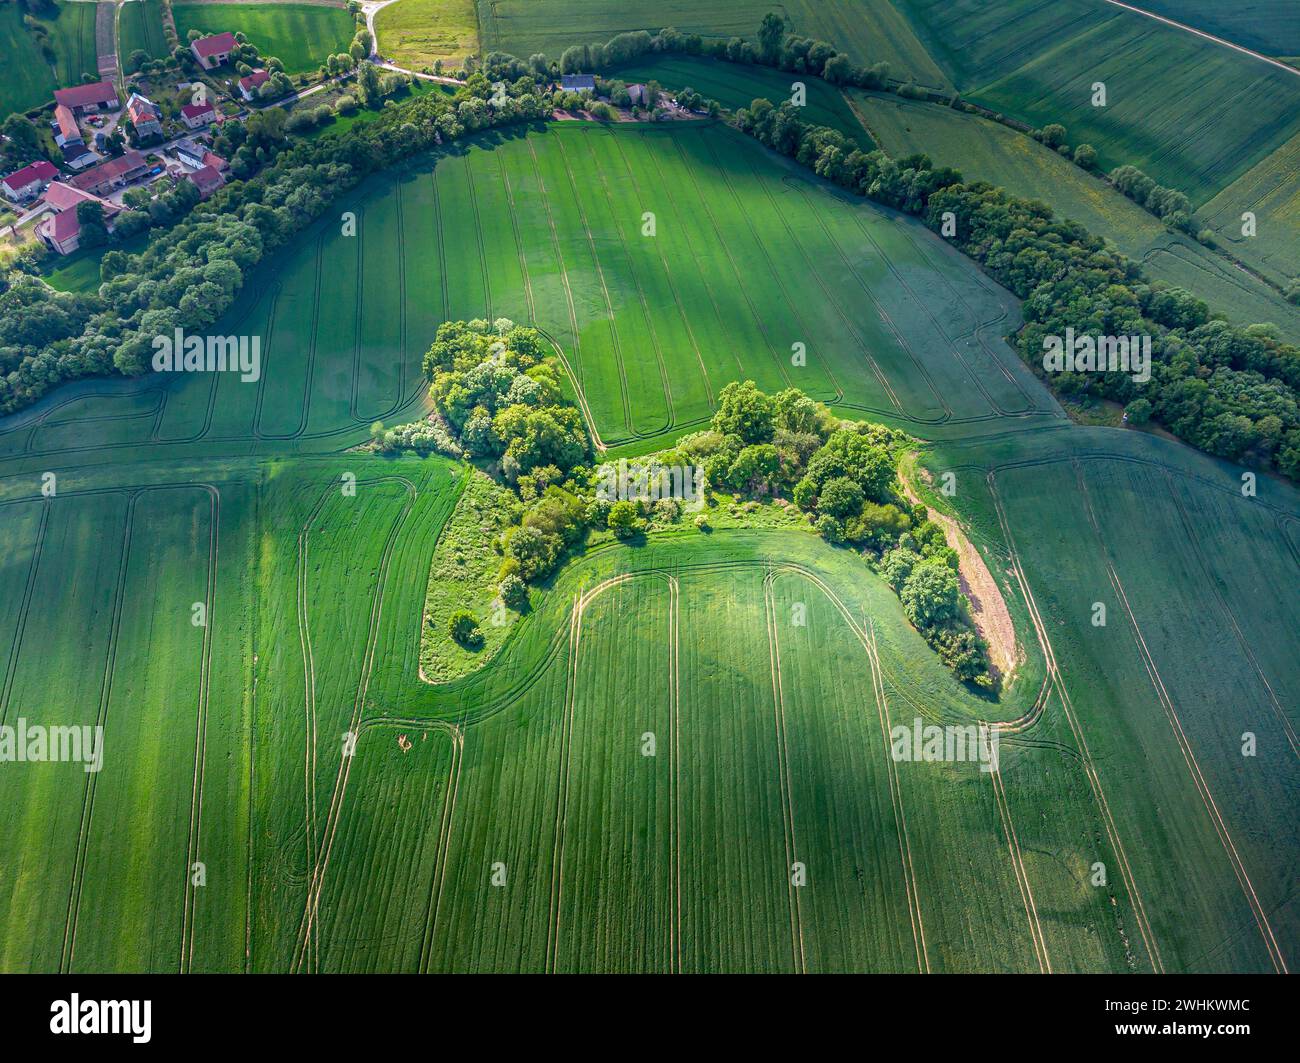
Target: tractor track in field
[[813, 272], [758, 318], [105, 695], [308, 946], [797, 953], [1180, 736], [884, 316], [24, 610], [201, 732], [1189, 529], [619, 360], [564, 274], [1090, 771], [738, 284], [636, 281], [581, 601], [478, 238], [668, 277]]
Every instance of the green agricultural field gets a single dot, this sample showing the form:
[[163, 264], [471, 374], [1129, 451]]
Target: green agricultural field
[[1192, 116], [868, 30], [72, 35], [299, 35], [22, 85], [679, 759], [140, 26], [1268, 26], [417, 33], [1271, 192], [987, 150], [734, 86]]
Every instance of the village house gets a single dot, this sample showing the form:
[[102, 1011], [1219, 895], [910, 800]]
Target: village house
[[211, 158], [68, 137], [31, 180], [112, 175], [248, 86], [207, 180], [62, 228], [198, 115], [99, 96], [145, 116], [191, 154], [215, 50], [578, 82]]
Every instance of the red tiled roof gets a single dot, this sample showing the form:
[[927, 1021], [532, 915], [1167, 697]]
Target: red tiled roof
[[85, 95], [214, 160], [207, 180], [108, 171], [67, 123], [141, 112], [36, 171], [256, 78], [218, 44], [194, 110]]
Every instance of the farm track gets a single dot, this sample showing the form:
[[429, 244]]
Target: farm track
[[1180, 735]]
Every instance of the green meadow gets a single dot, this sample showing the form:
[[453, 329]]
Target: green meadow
[[299, 35]]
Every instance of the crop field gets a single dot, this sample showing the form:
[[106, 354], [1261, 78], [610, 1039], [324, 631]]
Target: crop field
[[679, 758], [868, 32], [1268, 26], [299, 35], [416, 33], [72, 35], [1271, 192], [652, 327], [22, 85], [1191, 116], [989, 151], [140, 24], [735, 85]]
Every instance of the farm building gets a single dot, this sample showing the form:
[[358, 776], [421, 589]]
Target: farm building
[[145, 116], [248, 86], [99, 96], [207, 179], [215, 50], [68, 137], [578, 82], [62, 229], [112, 175], [29, 181], [197, 115]]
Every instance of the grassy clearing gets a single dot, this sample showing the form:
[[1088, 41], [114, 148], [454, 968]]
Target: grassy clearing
[[734, 86], [299, 35], [464, 576], [417, 33]]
